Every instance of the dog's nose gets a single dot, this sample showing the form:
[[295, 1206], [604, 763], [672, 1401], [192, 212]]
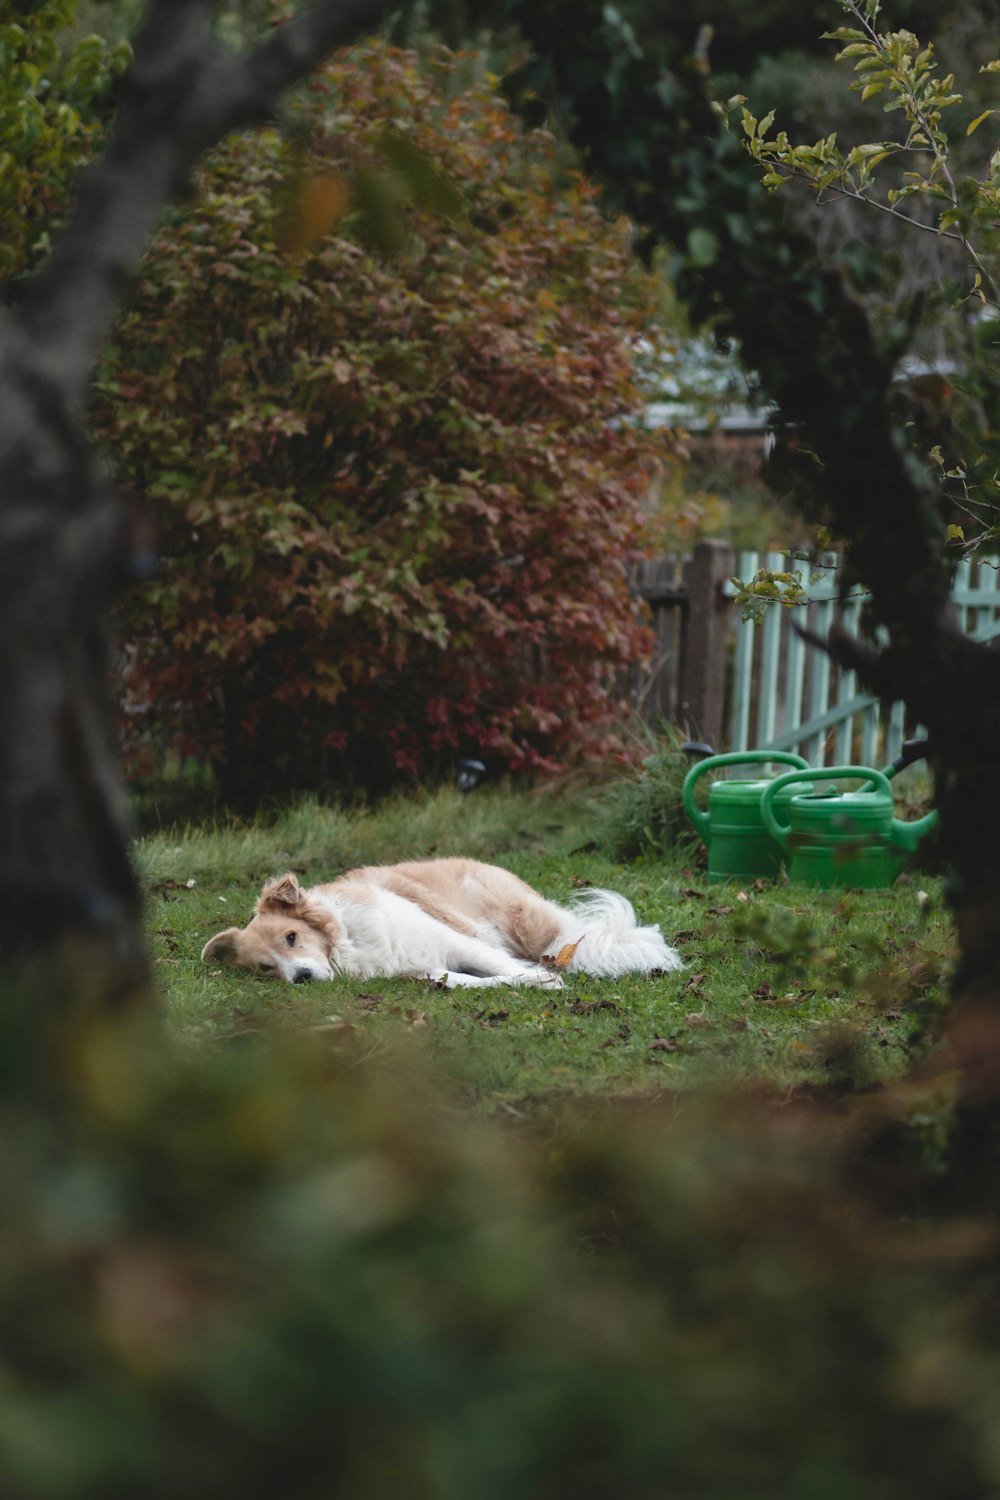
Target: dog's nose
[[301, 976]]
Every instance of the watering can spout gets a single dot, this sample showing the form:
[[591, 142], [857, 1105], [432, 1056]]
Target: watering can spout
[[907, 836]]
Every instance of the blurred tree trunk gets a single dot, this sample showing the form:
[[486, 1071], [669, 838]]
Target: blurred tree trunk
[[69, 904]]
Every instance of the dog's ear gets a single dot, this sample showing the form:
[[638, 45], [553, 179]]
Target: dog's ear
[[222, 948], [281, 895]]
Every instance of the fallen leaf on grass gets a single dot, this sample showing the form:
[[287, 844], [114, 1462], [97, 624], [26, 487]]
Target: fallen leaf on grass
[[587, 1007], [370, 1002], [580, 881], [720, 911], [697, 1018], [490, 1018], [416, 1018], [695, 982], [664, 1044], [924, 974], [791, 997], [562, 959], [692, 894]]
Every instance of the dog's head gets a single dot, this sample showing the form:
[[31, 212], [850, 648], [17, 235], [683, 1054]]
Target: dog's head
[[292, 936]]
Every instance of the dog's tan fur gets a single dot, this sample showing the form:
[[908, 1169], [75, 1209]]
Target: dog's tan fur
[[433, 916]]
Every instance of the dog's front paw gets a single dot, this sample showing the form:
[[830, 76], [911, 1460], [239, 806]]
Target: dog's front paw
[[544, 978]]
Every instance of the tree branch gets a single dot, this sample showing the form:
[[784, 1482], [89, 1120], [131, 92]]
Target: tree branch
[[183, 93]]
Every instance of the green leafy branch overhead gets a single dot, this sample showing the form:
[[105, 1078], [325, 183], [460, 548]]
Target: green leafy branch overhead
[[896, 68], [56, 101]]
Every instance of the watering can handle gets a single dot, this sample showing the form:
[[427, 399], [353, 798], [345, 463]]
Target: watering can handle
[[699, 818], [780, 831]]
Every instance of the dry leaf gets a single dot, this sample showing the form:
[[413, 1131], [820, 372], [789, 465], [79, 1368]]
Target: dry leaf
[[563, 958], [923, 974], [321, 201]]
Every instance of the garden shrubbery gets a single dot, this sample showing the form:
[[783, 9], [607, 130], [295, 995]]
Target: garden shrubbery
[[271, 1272], [396, 492]]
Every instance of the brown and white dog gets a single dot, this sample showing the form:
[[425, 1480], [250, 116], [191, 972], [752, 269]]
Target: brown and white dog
[[456, 921]]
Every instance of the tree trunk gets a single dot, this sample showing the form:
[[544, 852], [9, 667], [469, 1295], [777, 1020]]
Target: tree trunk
[[66, 885], [70, 909]]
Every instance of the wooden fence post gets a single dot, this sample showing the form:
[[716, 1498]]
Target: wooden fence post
[[660, 582], [703, 684]]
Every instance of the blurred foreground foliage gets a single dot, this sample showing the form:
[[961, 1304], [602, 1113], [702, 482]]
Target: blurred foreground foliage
[[269, 1268]]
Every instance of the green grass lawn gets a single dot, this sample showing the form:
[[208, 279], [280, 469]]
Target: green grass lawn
[[781, 984]]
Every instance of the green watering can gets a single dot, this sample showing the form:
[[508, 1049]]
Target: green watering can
[[832, 838], [739, 846]]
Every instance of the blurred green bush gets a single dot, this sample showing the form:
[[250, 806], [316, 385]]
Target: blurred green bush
[[272, 1272]]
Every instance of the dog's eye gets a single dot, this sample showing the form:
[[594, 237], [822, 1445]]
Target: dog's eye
[[266, 968], [290, 939]]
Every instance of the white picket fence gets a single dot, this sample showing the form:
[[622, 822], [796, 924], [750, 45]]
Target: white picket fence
[[787, 696]]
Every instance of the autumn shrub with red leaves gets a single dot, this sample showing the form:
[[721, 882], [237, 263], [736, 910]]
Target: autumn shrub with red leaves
[[396, 491]]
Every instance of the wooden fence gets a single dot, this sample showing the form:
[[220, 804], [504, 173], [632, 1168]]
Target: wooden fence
[[742, 686], [685, 680]]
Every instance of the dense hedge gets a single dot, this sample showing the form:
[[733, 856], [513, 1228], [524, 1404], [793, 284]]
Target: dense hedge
[[396, 491]]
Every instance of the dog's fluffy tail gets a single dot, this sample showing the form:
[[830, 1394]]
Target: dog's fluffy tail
[[611, 940]]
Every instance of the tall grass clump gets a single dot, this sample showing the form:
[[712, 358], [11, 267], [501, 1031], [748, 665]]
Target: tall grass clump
[[643, 813]]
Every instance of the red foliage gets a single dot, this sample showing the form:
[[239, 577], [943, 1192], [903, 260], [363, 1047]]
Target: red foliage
[[396, 492]]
